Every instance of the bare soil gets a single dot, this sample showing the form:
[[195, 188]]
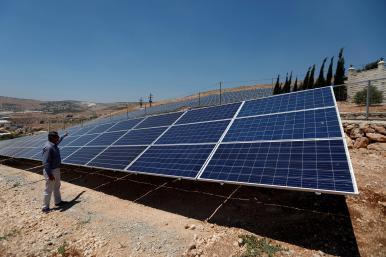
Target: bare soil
[[120, 214]]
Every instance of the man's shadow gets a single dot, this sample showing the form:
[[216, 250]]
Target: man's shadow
[[69, 204]]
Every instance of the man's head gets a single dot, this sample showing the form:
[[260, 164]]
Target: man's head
[[53, 137]]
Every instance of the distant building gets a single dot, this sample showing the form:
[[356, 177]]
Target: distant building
[[358, 80]]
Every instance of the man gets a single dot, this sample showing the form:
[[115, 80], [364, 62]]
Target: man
[[51, 172]]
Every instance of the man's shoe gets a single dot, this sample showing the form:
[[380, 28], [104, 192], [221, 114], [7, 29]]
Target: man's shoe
[[46, 210], [61, 203]]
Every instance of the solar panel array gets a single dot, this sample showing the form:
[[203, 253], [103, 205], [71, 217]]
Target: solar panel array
[[292, 141]]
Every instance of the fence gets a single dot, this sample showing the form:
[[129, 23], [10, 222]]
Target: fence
[[362, 100]]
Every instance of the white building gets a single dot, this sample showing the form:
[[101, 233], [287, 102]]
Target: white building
[[358, 80]]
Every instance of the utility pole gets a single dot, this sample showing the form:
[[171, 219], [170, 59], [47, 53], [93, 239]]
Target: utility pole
[[127, 110], [140, 102], [220, 92], [199, 98], [150, 99]]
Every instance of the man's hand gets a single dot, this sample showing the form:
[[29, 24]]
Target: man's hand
[[65, 134], [51, 177]]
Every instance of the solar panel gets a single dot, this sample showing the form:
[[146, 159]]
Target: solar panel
[[83, 140], [310, 165], [100, 128], [208, 132], [116, 158], [301, 100], [320, 123], [124, 125], [83, 155], [172, 160], [67, 151], [160, 120], [292, 141], [140, 136], [210, 113], [107, 138]]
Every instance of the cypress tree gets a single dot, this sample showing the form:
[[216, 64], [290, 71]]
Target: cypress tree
[[295, 85], [339, 73], [340, 91], [289, 83], [306, 78], [286, 86], [329, 73], [311, 78], [321, 82], [276, 89]]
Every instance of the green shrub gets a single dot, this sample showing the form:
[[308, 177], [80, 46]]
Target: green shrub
[[376, 96]]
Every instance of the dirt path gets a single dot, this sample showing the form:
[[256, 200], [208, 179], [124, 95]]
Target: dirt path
[[115, 214]]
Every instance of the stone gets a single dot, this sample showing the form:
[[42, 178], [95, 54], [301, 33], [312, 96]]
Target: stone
[[361, 142], [349, 142], [349, 128], [368, 130], [363, 125], [376, 137], [192, 246], [192, 227], [356, 133], [379, 129], [377, 146]]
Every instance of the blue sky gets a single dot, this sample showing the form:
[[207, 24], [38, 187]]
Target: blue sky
[[121, 50]]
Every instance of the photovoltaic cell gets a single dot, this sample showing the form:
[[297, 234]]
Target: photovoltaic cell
[[211, 113], [107, 138], [28, 152], [141, 136], [302, 100], [320, 123], [68, 140], [83, 155], [117, 157], [321, 165], [100, 128], [209, 132], [67, 151], [178, 161], [83, 130], [83, 140], [124, 125], [160, 120]]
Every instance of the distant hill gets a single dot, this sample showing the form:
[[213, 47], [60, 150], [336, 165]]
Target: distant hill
[[13, 104]]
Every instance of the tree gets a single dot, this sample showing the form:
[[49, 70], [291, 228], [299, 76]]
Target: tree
[[321, 82], [276, 89], [340, 91], [376, 96], [329, 73], [295, 88], [289, 83], [306, 78], [286, 87], [311, 78]]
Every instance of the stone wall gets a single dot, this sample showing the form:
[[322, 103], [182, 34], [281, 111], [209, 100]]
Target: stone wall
[[357, 81], [365, 135]]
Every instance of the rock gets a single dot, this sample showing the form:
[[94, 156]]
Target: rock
[[186, 226], [363, 125], [382, 204], [361, 142], [376, 137], [192, 246], [356, 133], [377, 146], [368, 130], [192, 227], [379, 129], [349, 128], [240, 241], [349, 142]]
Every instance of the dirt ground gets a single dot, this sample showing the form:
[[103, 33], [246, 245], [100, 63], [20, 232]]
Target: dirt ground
[[120, 214]]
